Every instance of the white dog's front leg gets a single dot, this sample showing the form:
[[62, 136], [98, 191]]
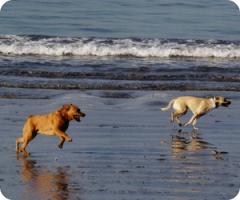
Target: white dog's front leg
[[194, 123], [191, 121]]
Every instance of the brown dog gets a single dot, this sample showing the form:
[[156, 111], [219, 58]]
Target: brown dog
[[53, 123], [198, 106]]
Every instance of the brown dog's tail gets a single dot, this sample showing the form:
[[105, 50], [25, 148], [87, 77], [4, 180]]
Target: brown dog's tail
[[168, 106]]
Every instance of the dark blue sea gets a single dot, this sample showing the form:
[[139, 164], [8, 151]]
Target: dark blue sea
[[127, 44]]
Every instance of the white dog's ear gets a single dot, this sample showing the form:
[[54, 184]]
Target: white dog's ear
[[214, 98]]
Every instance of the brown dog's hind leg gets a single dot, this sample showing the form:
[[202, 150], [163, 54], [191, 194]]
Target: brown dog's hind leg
[[27, 137], [23, 147], [18, 141]]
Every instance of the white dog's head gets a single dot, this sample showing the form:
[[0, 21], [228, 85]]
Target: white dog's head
[[221, 101]]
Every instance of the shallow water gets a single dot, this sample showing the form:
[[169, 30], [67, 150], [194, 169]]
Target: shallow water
[[125, 148]]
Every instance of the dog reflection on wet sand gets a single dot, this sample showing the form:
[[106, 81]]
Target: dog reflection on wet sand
[[191, 142], [43, 183]]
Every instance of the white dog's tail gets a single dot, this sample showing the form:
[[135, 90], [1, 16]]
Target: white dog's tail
[[168, 106]]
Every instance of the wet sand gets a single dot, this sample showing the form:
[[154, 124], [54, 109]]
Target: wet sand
[[125, 148]]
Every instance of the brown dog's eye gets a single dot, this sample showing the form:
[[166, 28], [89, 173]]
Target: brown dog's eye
[[78, 110], [217, 98]]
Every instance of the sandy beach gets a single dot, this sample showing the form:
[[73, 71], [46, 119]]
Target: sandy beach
[[125, 148]]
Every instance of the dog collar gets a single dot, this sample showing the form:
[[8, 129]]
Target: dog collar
[[213, 103]]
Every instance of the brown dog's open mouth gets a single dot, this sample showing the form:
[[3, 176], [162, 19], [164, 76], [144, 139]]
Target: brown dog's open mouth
[[77, 117]]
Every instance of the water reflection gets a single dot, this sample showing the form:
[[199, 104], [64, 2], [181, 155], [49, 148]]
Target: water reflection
[[186, 142], [42, 183]]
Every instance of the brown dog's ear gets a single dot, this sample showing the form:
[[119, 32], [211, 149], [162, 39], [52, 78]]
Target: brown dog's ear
[[66, 107]]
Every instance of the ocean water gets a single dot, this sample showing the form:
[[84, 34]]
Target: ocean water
[[120, 44]]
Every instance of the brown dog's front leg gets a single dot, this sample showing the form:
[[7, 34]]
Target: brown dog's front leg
[[61, 134], [62, 140]]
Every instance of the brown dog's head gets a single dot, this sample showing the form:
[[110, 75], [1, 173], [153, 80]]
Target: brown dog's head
[[71, 111], [221, 101]]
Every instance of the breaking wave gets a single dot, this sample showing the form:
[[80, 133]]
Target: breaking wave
[[135, 47]]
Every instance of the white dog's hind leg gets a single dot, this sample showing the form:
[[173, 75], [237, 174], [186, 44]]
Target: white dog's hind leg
[[176, 115]]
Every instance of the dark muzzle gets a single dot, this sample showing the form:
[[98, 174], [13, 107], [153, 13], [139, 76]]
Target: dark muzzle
[[226, 103]]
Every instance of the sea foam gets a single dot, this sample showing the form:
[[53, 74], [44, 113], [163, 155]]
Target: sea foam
[[160, 48]]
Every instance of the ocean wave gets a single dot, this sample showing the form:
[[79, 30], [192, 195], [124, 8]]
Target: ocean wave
[[117, 47]]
